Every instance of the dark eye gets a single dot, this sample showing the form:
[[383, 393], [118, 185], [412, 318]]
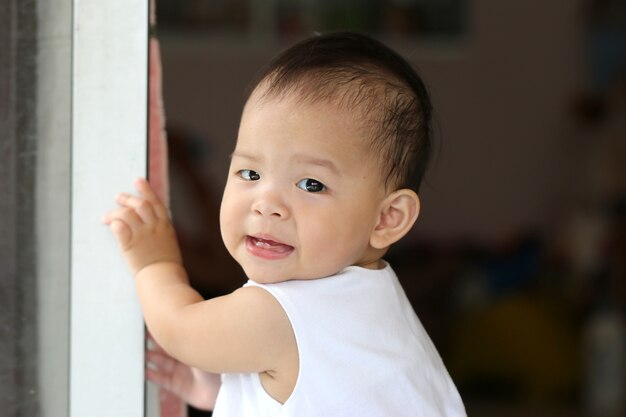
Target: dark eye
[[311, 185], [249, 175]]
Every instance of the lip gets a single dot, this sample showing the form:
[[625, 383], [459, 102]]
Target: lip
[[267, 247]]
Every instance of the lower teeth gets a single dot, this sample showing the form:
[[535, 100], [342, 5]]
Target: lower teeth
[[260, 244]]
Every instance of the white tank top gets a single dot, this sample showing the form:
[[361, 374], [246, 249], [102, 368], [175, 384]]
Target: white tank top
[[363, 352]]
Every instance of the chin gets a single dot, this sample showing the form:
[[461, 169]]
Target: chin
[[262, 276], [264, 279]]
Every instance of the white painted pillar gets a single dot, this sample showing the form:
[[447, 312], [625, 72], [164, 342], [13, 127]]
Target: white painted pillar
[[109, 150]]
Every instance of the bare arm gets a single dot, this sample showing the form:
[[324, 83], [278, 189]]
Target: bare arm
[[246, 331], [192, 385]]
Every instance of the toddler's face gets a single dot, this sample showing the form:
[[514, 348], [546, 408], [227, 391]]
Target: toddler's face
[[303, 192]]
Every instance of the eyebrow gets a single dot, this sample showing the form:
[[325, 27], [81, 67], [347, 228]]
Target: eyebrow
[[324, 163], [244, 155], [301, 158]]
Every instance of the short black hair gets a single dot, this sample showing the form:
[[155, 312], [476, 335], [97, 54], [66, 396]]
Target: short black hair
[[368, 76]]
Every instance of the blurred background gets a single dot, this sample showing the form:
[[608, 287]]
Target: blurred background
[[517, 264]]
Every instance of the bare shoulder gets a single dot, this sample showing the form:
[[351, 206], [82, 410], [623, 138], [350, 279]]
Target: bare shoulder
[[246, 331], [279, 380], [260, 313]]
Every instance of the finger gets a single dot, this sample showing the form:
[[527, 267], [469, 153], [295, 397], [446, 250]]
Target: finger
[[124, 214], [157, 378], [163, 381], [110, 216], [123, 234], [154, 347], [106, 219], [161, 362], [143, 207], [146, 191], [122, 222]]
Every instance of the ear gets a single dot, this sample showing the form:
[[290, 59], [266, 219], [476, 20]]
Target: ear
[[397, 216]]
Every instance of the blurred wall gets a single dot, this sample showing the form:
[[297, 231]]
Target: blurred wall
[[516, 157], [502, 98]]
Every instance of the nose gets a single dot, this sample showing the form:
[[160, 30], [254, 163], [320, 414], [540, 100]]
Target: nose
[[270, 202]]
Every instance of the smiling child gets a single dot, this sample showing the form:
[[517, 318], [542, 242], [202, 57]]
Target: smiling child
[[332, 147]]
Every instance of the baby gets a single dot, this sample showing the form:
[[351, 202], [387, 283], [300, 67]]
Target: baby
[[333, 144]]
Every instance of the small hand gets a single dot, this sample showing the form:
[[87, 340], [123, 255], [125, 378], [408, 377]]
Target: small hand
[[142, 228], [192, 385]]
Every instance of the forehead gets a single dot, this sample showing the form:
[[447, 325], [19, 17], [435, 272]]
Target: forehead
[[313, 126], [339, 106], [321, 122]]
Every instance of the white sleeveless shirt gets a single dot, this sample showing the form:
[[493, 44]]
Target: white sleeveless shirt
[[363, 352]]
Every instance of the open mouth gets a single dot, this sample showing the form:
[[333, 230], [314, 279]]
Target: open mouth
[[267, 248]]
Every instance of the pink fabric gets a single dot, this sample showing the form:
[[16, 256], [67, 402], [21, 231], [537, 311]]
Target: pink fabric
[[157, 160], [169, 404]]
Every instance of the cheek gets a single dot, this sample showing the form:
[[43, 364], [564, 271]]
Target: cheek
[[351, 226], [229, 216], [334, 236]]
